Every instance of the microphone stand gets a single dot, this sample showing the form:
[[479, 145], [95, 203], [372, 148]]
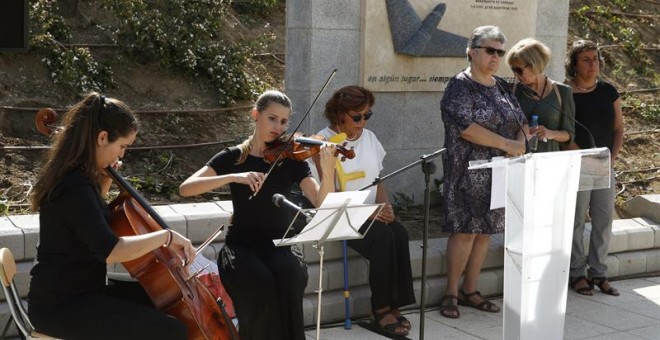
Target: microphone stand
[[529, 90], [428, 167]]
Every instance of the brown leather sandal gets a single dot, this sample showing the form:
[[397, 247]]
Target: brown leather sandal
[[600, 283], [404, 322], [447, 309], [586, 290], [484, 305]]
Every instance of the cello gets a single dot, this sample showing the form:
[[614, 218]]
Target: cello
[[162, 273]]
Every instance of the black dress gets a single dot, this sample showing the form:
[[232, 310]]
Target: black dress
[[68, 296], [266, 283]]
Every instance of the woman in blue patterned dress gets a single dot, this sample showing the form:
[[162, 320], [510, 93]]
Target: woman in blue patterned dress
[[482, 120]]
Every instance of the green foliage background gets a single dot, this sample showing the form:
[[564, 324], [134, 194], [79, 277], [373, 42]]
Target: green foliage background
[[187, 36]]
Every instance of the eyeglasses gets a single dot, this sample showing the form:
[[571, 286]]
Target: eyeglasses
[[492, 51], [518, 70], [358, 118]]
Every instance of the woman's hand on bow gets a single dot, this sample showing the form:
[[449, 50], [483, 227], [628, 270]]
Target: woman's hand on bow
[[253, 179], [184, 245]]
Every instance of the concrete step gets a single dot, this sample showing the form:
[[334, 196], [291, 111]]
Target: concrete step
[[634, 250], [647, 206]]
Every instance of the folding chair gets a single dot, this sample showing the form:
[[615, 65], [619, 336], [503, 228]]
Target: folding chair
[[18, 312]]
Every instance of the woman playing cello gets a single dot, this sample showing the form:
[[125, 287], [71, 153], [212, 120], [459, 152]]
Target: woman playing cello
[[68, 295], [266, 283]]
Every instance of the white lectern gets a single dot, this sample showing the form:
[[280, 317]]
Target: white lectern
[[539, 192], [339, 217]]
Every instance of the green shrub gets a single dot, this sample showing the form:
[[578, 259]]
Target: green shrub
[[74, 68], [251, 7], [181, 35], [184, 35]]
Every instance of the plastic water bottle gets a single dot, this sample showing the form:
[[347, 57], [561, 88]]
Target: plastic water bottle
[[533, 139]]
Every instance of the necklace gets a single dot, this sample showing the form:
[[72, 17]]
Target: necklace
[[539, 95], [585, 89], [348, 138], [545, 84]]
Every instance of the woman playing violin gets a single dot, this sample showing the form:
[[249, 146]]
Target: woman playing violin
[[68, 295], [266, 283]]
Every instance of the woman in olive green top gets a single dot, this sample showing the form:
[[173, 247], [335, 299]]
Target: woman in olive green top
[[528, 59]]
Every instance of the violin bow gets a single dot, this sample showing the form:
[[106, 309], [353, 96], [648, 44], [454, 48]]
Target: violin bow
[[209, 240], [279, 155]]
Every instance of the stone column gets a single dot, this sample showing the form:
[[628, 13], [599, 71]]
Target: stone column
[[552, 30]]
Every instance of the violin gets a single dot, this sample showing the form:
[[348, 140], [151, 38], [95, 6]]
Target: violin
[[300, 148]]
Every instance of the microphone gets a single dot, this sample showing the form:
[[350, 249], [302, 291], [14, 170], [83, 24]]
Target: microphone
[[534, 94], [504, 92], [281, 202]]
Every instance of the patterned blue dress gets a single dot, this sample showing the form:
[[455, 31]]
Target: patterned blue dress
[[467, 192]]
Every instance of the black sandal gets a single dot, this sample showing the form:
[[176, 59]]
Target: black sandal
[[586, 290], [445, 308], [405, 323], [393, 329], [484, 305], [600, 283]]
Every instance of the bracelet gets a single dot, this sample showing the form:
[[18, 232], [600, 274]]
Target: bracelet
[[169, 238]]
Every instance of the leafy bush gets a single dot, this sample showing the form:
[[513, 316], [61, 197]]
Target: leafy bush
[[647, 109], [182, 35], [74, 68], [185, 35], [258, 7]]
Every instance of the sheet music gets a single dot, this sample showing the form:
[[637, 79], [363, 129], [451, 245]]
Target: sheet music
[[336, 199], [342, 213]]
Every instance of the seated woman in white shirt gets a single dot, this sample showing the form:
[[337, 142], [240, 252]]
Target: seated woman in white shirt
[[386, 243]]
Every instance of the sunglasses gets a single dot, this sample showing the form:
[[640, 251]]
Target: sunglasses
[[492, 51], [518, 70], [358, 118]]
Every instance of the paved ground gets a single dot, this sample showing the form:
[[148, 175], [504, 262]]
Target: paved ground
[[634, 315]]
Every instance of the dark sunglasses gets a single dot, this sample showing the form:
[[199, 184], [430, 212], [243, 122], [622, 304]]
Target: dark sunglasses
[[492, 51], [517, 70], [358, 118]]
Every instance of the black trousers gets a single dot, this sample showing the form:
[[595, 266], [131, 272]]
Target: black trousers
[[266, 284], [390, 273], [105, 316]]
